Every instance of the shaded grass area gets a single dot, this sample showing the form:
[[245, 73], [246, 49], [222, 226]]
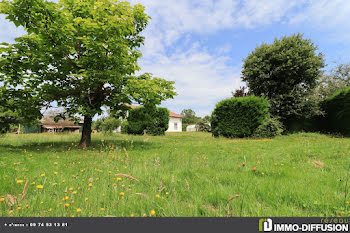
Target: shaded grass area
[[181, 174]]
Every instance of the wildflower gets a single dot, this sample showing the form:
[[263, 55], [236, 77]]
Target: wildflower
[[19, 181], [121, 194], [19, 208], [10, 211], [55, 173], [347, 203], [239, 166], [41, 202], [102, 209], [50, 209], [119, 179], [153, 212], [55, 163], [343, 212], [79, 188], [33, 182], [97, 178], [90, 185], [254, 168], [157, 196], [63, 180], [66, 205], [132, 215], [43, 174], [86, 198], [75, 192], [2, 199], [70, 189], [262, 173], [282, 164], [78, 210], [66, 198], [39, 186], [244, 163], [167, 193]]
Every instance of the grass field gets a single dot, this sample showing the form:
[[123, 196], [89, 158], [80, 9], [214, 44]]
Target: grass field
[[181, 174]]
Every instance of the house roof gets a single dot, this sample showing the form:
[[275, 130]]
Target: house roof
[[48, 122], [171, 114]]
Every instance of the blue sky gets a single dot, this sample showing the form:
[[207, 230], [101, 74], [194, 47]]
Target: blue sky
[[200, 44]]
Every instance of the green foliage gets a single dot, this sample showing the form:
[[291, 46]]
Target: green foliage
[[124, 127], [337, 109], [284, 72], [80, 55], [269, 128], [189, 117], [239, 117], [106, 124], [153, 121]]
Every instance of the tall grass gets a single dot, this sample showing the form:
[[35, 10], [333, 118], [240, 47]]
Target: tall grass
[[180, 174]]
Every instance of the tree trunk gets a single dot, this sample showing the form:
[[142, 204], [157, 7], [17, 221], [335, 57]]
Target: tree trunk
[[86, 134]]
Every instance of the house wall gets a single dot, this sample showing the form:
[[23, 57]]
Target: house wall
[[175, 124]]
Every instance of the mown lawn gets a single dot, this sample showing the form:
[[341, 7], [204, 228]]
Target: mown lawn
[[181, 174]]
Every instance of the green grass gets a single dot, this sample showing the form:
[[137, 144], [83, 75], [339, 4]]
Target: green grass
[[193, 174]]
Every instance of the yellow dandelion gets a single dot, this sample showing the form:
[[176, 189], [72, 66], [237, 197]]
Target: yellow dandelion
[[119, 178], [121, 194], [55, 173], [97, 178], [19, 208], [2, 199], [153, 212], [33, 182], [102, 209], [90, 185], [27, 206], [157, 196], [66, 198], [66, 205], [19, 181], [41, 202], [78, 210], [347, 202], [167, 193], [63, 181], [75, 192], [50, 209], [132, 215], [55, 163], [70, 189], [43, 174], [10, 211], [39, 186], [86, 198]]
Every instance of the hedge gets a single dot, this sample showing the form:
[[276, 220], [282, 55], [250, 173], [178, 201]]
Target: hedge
[[337, 109], [153, 121], [239, 117]]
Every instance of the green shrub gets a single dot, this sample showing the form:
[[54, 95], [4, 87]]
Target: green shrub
[[268, 129], [337, 109], [239, 117], [124, 127], [153, 121]]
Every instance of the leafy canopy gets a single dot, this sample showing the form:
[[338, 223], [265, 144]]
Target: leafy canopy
[[285, 72], [81, 54]]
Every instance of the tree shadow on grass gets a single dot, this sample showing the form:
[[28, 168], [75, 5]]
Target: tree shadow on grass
[[96, 145]]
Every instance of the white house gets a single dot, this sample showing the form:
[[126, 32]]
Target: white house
[[175, 121]]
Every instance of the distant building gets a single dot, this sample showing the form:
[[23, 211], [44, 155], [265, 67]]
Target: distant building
[[48, 125]]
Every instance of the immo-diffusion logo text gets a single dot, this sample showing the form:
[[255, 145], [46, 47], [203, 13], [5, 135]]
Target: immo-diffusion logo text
[[266, 224]]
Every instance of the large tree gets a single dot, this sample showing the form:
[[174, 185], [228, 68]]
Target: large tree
[[189, 116], [285, 72], [80, 54]]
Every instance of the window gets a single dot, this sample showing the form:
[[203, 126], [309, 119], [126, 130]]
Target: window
[[175, 126]]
